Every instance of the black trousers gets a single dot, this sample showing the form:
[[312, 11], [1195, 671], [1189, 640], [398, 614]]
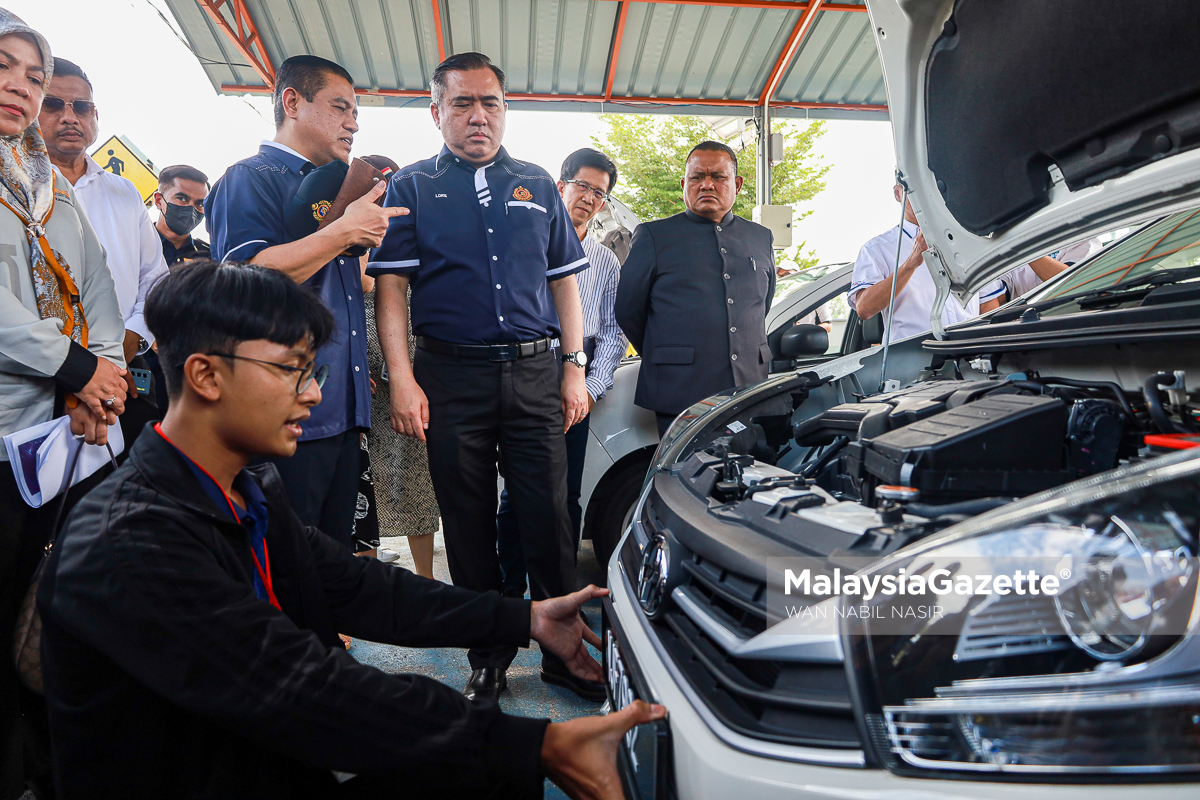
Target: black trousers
[[24, 735], [508, 541], [475, 407], [322, 483]]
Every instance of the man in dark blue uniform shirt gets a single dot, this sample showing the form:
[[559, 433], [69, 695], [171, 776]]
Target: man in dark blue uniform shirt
[[491, 255], [315, 120]]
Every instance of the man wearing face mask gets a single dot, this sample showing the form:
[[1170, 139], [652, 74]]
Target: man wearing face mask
[[70, 121], [180, 204]]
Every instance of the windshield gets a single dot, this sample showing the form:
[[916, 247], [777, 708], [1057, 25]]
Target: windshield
[[795, 280], [1172, 243]]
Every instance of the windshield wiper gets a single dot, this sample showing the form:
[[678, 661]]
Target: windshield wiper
[[1117, 293]]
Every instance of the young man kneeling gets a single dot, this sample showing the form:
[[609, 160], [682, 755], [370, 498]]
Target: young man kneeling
[[190, 621]]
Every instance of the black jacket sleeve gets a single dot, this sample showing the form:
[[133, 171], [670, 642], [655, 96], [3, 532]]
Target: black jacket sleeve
[[633, 292], [381, 603], [141, 586]]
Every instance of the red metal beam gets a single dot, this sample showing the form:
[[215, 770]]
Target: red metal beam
[[596, 98], [246, 38], [437, 30], [803, 25], [616, 50]]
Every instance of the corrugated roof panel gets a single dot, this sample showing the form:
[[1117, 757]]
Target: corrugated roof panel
[[825, 68], [729, 57], [560, 48]]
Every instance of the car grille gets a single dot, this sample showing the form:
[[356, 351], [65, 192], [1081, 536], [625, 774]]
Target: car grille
[[789, 702]]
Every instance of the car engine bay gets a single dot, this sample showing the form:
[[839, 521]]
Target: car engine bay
[[872, 475]]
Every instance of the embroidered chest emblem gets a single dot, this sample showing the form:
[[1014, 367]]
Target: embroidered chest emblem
[[522, 194], [320, 210]]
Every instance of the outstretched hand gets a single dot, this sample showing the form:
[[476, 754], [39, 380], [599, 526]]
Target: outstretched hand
[[364, 223], [555, 624], [580, 756]]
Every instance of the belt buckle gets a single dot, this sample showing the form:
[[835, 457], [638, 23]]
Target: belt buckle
[[501, 352]]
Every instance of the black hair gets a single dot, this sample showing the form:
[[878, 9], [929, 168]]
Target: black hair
[[307, 75], [587, 157], [206, 306], [170, 173], [69, 69], [714, 147], [462, 62]]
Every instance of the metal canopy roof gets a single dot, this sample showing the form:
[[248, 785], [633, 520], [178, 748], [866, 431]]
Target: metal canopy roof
[[810, 58]]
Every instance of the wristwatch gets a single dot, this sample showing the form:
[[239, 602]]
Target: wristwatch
[[578, 358], [143, 345]]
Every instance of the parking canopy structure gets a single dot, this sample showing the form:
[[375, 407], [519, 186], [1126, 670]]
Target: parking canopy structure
[[713, 57]]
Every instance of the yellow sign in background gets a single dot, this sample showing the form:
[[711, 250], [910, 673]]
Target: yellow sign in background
[[120, 157]]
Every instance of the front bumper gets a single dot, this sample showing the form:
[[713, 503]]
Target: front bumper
[[711, 761]]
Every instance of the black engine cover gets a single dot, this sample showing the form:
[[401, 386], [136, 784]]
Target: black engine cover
[[1001, 444]]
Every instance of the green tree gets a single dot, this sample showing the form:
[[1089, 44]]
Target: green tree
[[650, 151]]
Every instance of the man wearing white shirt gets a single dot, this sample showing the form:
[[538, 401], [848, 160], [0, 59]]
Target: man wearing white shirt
[[113, 205], [871, 284], [1029, 276]]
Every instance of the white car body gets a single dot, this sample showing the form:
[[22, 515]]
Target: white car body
[[708, 758]]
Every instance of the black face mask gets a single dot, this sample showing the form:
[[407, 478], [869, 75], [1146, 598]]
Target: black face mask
[[182, 220]]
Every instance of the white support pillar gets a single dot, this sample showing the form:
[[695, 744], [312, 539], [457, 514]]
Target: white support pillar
[[762, 184]]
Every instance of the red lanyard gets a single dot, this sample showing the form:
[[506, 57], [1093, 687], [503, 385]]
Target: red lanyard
[[263, 574]]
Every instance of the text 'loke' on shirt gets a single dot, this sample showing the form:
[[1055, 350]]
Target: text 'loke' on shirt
[[245, 212], [480, 247]]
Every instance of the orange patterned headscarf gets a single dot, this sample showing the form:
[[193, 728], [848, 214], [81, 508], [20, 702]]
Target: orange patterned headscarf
[[27, 190]]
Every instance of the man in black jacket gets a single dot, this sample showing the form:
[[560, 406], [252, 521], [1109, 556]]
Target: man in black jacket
[[695, 290], [190, 620]]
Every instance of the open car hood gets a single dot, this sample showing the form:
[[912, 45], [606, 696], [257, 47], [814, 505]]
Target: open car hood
[[1025, 125]]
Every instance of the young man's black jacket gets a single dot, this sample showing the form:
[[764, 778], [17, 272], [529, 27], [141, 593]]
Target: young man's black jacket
[[166, 677]]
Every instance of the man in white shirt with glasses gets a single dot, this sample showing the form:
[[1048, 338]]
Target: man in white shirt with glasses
[[70, 123]]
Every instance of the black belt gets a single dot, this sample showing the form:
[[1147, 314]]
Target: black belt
[[485, 352]]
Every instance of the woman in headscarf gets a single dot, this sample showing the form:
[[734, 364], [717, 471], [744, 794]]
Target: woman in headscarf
[[60, 352]]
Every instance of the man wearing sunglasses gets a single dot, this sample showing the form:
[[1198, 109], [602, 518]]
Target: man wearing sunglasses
[[70, 123], [190, 619]]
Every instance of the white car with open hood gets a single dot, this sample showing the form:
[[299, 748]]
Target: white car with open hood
[[974, 574]]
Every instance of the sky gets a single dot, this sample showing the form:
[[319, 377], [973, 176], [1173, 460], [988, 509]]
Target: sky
[[151, 89]]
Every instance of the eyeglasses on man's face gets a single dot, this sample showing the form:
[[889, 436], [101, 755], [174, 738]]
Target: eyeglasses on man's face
[[307, 374], [82, 108], [601, 197]]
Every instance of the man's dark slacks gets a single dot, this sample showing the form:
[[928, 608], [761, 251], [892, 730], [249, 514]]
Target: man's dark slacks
[[476, 406], [508, 545]]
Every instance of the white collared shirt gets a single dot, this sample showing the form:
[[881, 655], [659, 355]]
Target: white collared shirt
[[114, 207], [877, 260], [1023, 279]]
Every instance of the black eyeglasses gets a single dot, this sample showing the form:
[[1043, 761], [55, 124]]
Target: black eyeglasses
[[587, 187], [82, 108], [308, 373]]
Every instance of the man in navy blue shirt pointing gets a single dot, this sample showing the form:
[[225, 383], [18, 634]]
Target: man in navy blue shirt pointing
[[490, 255], [316, 117]]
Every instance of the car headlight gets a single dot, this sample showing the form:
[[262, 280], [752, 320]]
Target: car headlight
[[1093, 667]]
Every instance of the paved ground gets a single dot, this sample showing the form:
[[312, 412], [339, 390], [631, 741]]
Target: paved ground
[[526, 696]]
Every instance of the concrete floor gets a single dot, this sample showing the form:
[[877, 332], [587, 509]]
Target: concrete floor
[[527, 695]]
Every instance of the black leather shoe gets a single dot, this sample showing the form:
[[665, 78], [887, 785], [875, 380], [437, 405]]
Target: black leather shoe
[[559, 675], [486, 684]]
